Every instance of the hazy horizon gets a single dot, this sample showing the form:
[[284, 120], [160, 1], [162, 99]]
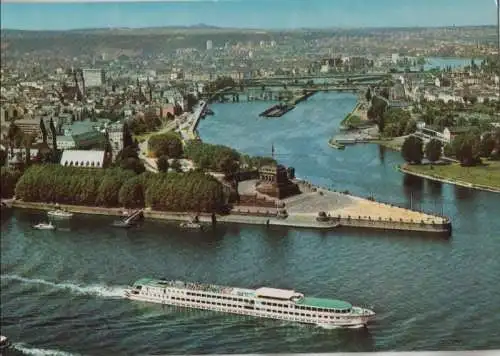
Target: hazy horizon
[[246, 14]]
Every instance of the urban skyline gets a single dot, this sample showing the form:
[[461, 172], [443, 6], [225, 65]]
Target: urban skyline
[[246, 14]]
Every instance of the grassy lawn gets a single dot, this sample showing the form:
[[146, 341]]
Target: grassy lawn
[[487, 175], [352, 121], [391, 143]]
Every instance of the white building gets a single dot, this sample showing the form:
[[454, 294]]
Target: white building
[[65, 142], [115, 133], [209, 45], [93, 77], [86, 159]]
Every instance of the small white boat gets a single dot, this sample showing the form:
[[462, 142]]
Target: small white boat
[[60, 213], [44, 226], [191, 225], [4, 343]]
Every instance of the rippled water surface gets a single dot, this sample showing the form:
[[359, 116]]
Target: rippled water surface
[[62, 290]]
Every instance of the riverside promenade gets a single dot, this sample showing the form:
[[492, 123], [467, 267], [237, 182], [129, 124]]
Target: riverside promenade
[[188, 128], [343, 209]]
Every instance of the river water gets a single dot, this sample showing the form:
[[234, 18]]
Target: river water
[[61, 290]]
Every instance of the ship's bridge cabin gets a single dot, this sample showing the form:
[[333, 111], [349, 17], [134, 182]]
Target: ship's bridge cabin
[[306, 306], [283, 295]]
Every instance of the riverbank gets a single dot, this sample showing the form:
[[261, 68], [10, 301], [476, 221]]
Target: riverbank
[[485, 177], [357, 118], [372, 219]]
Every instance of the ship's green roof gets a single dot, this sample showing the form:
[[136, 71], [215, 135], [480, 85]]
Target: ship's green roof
[[324, 303], [145, 281]]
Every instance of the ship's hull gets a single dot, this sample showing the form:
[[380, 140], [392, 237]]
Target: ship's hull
[[348, 321]]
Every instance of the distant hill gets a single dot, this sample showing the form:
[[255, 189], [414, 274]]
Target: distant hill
[[164, 39]]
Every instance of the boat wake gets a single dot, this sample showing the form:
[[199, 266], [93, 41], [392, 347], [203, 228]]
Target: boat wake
[[27, 350], [93, 289], [331, 327]]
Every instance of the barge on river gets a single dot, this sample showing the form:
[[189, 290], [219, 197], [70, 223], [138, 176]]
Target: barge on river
[[262, 302]]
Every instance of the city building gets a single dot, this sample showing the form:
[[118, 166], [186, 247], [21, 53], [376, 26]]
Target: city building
[[65, 142], [84, 159], [209, 45], [115, 135], [93, 77]]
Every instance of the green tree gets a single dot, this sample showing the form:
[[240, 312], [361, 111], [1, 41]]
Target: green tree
[[131, 193], [127, 136], [412, 150], [108, 191], [8, 180], [54, 134], [163, 164], [14, 136], [3, 157], [176, 165], [228, 166], [433, 150], [410, 127], [449, 150], [487, 145], [368, 94], [467, 149], [168, 144], [44, 130], [133, 164]]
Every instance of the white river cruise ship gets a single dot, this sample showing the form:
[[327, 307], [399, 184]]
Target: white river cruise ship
[[262, 302]]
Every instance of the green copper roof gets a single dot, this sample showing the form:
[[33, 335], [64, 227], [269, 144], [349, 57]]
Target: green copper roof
[[144, 281], [324, 303]]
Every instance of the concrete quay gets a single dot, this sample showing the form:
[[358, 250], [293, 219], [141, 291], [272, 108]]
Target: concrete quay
[[346, 210]]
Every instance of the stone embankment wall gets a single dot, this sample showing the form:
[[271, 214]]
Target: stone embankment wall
[[388, 224], [256, 215]]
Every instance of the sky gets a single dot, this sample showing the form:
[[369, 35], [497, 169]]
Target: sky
[[268, 14]]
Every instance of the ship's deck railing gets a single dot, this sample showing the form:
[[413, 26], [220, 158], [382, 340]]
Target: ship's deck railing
[[197, 286]]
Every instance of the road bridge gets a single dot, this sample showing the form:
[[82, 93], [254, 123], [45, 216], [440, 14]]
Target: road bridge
[[331, 88], [380, 75]]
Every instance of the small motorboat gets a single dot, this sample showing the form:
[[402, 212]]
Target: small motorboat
[[334, 144], [191, 225], [4, 343], [44, 226], [194, 223], [60, 214]]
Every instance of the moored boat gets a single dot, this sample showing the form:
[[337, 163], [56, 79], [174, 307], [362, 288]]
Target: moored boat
[[60, 214], [4, 343], [334, 144], [263, 302], [44, 226], [191, 225]]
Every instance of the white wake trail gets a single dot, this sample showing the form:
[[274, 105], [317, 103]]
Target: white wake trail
[[27, 350], [99, 290]]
